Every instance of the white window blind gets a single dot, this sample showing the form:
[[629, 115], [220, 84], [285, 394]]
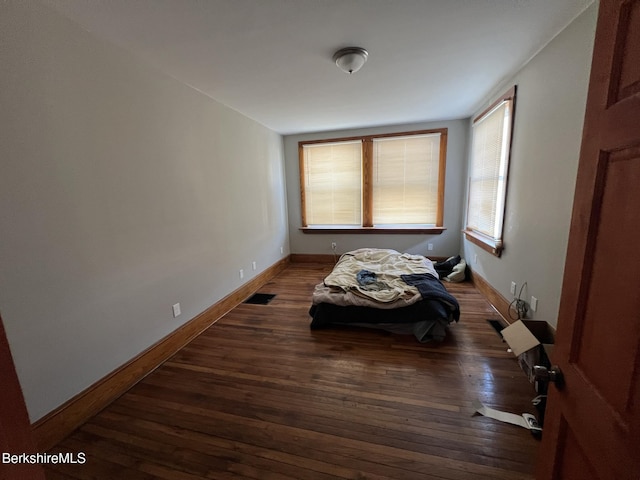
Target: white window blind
[[333, 183], [374, 183], [488, 171], [405, 179]]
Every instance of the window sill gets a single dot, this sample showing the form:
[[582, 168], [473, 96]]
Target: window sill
[[494, 247], [370, 230]]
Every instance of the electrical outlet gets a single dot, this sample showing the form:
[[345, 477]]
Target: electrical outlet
[[176, 310], [475, 259], [241, 273], [513, 288], [334, 245], [254, 265], [430, 246], [281, 250], [534, 303]]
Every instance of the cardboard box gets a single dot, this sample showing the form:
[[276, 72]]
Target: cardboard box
[[532, 342]]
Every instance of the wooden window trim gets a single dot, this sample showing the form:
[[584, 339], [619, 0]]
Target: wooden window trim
[[508, 95], [441, 176], [367, 182], [349, 229], [367, 186], [303, 202], [491, 245]]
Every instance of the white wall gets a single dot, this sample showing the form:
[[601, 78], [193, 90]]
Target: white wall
[[444, 245], [122, 192], [550, 107]]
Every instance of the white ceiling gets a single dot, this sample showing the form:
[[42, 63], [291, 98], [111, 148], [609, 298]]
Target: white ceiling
[[271, 59]]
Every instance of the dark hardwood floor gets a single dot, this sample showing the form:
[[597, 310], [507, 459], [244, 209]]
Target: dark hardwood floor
[[259, 395]]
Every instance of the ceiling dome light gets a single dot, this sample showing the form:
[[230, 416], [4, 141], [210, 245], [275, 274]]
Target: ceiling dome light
[[350, 59]]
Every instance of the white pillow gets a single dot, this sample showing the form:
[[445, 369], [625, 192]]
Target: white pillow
[[458, 273]]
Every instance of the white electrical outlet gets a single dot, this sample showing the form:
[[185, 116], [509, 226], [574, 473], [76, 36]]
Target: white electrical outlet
[[534, 303], [241, 273], [430, 246], [281, 250], [513, 288], [176, 310], [475, 259], [254, 265], [334, 245]]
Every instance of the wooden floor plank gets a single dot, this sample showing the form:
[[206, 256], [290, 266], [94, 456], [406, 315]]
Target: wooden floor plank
[[259, 395]]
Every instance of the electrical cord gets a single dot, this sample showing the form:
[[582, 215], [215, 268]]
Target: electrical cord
[[520, 308]]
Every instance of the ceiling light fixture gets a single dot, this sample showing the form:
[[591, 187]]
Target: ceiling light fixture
[[350, 59]]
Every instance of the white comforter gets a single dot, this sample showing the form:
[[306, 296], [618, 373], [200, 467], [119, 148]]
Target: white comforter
[[341, 287]]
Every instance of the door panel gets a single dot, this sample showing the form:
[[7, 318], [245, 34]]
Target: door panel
[[575, 464], [614, 280], [592, 426], [15, 430], [626, 73]]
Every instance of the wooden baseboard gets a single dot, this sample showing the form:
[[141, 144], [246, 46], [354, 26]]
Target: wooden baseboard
[[329, 258], [313, 258], [495, 298], [58, 424]]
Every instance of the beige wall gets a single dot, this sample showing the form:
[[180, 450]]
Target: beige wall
[[550, 107], [122, 192], [446, 244]]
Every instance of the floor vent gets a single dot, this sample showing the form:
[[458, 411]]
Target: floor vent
[[497, 326], [260, 298]]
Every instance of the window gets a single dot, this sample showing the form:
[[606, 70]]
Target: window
[[333, 183], [489, 166], [383, 183]]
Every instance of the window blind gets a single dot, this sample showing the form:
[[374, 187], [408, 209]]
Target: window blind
[[489, 160], [333, 183], [405, 179]]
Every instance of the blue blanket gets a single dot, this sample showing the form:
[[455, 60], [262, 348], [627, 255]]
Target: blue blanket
[[432, 289]]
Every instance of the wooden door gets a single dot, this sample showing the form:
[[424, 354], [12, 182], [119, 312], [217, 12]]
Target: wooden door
[[15, 430], [592, 427]]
